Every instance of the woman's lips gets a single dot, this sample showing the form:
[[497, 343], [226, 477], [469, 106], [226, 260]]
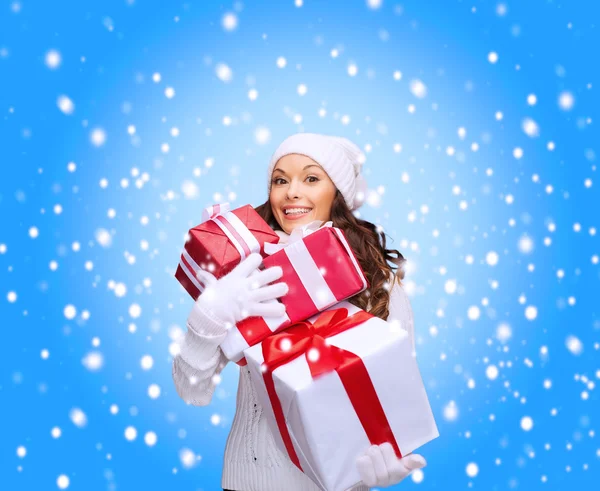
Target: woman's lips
[[295, 216]]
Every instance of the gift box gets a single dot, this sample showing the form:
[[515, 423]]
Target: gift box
[[220, 243], [320, 270], [336, 384]]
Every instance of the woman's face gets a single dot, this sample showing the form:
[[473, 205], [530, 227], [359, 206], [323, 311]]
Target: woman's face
[[301, 192]]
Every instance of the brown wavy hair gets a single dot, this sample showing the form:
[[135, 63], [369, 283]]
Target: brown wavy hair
[[369, 246]]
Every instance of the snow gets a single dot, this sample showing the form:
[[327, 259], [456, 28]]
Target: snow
[[482, 164]]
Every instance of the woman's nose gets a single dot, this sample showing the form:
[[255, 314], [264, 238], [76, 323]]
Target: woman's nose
[[293, 191]]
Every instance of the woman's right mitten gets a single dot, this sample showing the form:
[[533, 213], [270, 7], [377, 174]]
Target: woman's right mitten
[[243, 292]]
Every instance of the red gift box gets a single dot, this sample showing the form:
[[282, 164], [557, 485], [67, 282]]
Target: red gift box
[[320, 271], [220, 242]]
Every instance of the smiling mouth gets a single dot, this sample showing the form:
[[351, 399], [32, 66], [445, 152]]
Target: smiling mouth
[[294, 212]]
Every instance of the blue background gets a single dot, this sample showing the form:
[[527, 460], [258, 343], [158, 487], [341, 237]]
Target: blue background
[[109, 52]]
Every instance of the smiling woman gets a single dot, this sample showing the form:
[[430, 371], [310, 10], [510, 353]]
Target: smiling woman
[[311, 178], [318, 177], [301, 191]]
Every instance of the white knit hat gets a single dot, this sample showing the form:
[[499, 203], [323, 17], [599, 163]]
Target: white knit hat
[[339, 157]]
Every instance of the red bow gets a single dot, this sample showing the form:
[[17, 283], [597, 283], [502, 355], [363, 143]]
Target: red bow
[[306, 338]]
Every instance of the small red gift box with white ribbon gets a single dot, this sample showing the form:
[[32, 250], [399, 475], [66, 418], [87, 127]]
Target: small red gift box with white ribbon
[[221, 242], [320, 270]]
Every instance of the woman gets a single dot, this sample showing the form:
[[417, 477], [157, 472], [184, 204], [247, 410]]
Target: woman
[[311, 177]]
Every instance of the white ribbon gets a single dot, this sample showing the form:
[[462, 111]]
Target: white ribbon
[[191, 274], [297, 234], [310, 276], [222, 217]]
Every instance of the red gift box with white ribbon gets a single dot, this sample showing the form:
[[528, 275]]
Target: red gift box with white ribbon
[[221, 242], [334, 385], [320, 270]]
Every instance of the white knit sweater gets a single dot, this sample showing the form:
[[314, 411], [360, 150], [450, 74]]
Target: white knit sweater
[[252, 461]]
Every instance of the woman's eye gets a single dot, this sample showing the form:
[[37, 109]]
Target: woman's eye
[[280, 180]]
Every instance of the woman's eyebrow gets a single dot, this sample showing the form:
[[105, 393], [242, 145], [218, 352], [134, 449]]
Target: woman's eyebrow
[[306, 167]]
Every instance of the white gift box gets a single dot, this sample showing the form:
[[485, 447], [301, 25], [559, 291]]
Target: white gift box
[[323, 426]]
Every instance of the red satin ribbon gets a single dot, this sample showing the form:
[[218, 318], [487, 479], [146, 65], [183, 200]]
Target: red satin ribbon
[[309, 339]]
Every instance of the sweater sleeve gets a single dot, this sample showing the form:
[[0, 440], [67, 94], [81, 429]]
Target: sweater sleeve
[[200, 358], [401, 311]]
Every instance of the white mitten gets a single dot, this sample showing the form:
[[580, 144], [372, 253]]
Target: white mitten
[[380, 467], [242, 292]]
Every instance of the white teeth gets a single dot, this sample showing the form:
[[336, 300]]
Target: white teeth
[[295, 211]]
